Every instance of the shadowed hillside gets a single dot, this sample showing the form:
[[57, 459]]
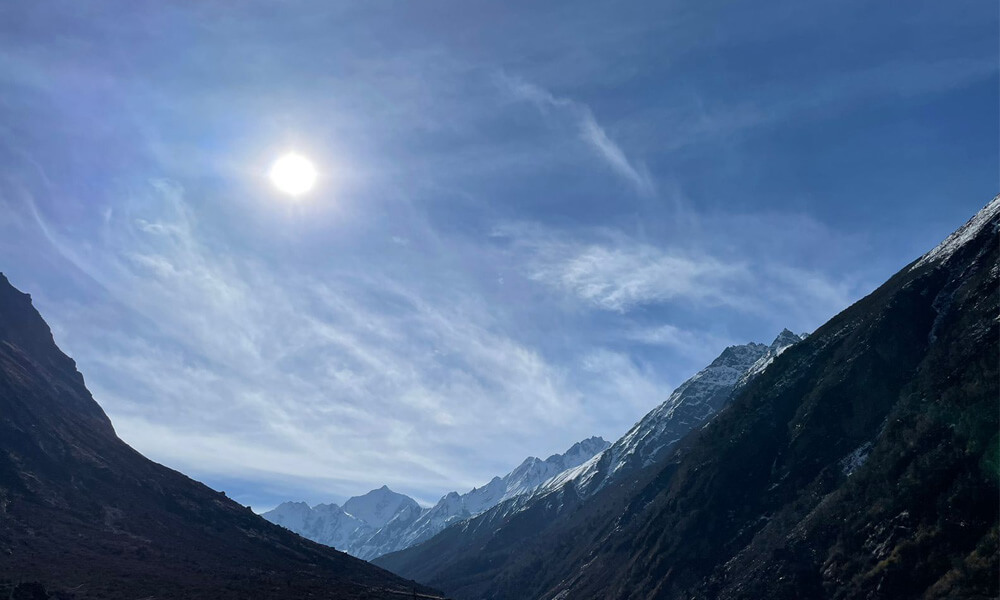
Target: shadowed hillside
[[84, 514]]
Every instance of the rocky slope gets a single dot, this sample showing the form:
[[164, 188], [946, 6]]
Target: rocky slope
[[86, 516], [861, 463]]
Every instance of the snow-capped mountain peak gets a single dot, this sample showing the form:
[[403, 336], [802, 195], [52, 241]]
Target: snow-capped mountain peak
[[378, 507], [785, 340]]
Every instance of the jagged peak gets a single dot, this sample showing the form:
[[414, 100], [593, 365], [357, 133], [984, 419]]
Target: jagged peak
[[741, 353], [592, 440], [594, 443], [787, 337]]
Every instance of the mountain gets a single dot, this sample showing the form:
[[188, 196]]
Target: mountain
[[349, 527], [781, 343], [691, 405], [861, 463], [454, 507], [383, 521], [328, 524], [378, 507], [86, 516], [530, 474], [475, 550]]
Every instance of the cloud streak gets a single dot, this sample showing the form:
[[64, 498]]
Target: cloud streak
[[588, 130]]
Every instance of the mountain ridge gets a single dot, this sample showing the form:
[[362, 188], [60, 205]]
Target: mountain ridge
[[408, 524], [687, 407]]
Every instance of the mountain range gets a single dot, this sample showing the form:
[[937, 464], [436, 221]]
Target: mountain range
[[384, 521], [859, 462], [590, 464]]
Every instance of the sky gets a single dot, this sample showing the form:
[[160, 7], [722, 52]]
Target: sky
[[532, 221]]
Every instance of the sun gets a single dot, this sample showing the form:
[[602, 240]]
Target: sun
[[293, 174]]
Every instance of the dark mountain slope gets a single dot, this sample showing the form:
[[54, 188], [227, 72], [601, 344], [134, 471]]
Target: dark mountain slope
[[80, 510], [861, 464], [770, 501]]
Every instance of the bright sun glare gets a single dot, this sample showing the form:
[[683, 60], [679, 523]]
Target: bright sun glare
[[293, 174]]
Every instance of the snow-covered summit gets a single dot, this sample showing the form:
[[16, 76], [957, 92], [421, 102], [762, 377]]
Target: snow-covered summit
[[378, 507]]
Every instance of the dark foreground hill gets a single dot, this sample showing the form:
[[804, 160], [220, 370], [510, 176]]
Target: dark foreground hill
[[863, 463], [86, 516]]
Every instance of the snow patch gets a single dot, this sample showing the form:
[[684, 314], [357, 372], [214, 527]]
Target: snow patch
[[853, 461], [962, 236]]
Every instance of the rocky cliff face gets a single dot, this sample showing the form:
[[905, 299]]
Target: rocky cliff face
[[81, 510]]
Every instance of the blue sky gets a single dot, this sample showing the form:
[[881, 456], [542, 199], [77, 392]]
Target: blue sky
[[532, 221]]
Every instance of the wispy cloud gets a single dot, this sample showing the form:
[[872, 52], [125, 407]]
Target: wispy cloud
[[622, 277], [589, 130], [350, 377], [609, 270]]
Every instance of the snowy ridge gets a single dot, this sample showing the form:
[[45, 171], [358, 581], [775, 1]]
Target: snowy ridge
[[383, 521], [690, 406], [962, 235], [455, 507]]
